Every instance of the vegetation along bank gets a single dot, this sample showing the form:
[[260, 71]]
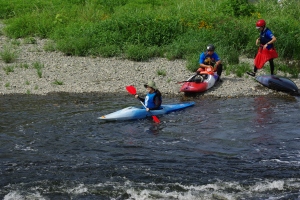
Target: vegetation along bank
[[140, 39]]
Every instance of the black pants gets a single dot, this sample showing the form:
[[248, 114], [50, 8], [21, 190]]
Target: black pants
[[272, 67], [219, 69]]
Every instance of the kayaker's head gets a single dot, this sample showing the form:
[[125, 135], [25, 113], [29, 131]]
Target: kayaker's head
[[260, 24], [151, 87], [210, 49]]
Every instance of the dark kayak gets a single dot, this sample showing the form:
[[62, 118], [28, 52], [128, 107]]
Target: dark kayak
[[278, 83]]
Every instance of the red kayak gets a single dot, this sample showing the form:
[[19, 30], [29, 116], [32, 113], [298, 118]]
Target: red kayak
[[200, 82]]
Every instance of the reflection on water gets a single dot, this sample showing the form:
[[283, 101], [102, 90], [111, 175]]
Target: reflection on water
[[264, 110], [53, 147]]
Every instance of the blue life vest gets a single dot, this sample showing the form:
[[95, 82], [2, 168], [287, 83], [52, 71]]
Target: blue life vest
[[149, 100]]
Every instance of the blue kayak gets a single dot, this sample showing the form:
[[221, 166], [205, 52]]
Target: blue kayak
[[278, 83], [130, 113]]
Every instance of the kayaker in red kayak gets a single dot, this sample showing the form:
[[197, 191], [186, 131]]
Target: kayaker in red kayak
[[210, 58], [153, 98], [266, 51]]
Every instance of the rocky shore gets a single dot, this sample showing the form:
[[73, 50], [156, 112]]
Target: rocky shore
[[60, 73]]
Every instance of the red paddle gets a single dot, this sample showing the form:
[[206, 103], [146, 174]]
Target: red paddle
[[131, 89]]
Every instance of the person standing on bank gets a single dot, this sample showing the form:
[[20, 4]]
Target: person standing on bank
[[266, 51], [153, 98], [210, 58]]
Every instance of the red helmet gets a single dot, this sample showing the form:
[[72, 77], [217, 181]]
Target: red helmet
[[260, 23]]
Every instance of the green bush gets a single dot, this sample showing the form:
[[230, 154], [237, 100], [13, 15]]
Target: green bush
[[237, 8], [140, 52], [140, 30], [9, 54], [193, 62], [238, 69], [108, 51]]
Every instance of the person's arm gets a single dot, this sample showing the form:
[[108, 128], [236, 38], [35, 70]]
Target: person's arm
[[217, 64], [217, 59], [270, 42], [257, 42], [140, 98]]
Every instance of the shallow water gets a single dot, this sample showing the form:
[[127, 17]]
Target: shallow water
[[54, 147]]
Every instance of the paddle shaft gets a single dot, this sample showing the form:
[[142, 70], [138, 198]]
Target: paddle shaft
[[155, 119], [143, 105], [184, 82]]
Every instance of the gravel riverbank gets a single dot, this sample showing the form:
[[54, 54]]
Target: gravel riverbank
[[62, 73]]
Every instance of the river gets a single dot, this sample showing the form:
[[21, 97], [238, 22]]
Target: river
[[54, 147]]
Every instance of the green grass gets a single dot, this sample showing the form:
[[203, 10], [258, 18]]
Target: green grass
[[38, 66], [30, 40], [161, 72], [238, 69], [7, 85], [50, 46], [9, 54], [57, 82], [24, 65], [141, 29], [15, 42], [9, 69]]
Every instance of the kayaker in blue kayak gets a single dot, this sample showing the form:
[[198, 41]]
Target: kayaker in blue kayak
[[153, 98], [210, 58]]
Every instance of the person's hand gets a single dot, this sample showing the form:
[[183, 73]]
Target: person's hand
[[136, 96], [214, 68], [265, 46], [147, 109]]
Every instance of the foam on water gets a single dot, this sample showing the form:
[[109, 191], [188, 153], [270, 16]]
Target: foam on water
[[142, 191]]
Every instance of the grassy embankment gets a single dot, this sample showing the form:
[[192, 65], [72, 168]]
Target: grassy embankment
[[141, 29]]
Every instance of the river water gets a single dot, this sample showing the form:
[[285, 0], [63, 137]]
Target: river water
[[54, 147]]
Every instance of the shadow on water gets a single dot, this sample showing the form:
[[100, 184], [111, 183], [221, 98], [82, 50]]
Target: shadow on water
[[54, 147]]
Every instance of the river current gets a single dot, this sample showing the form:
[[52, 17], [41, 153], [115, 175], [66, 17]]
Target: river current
[[54, 147]]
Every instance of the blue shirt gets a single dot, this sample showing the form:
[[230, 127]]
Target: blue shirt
[[265, 37], [205, 58]]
